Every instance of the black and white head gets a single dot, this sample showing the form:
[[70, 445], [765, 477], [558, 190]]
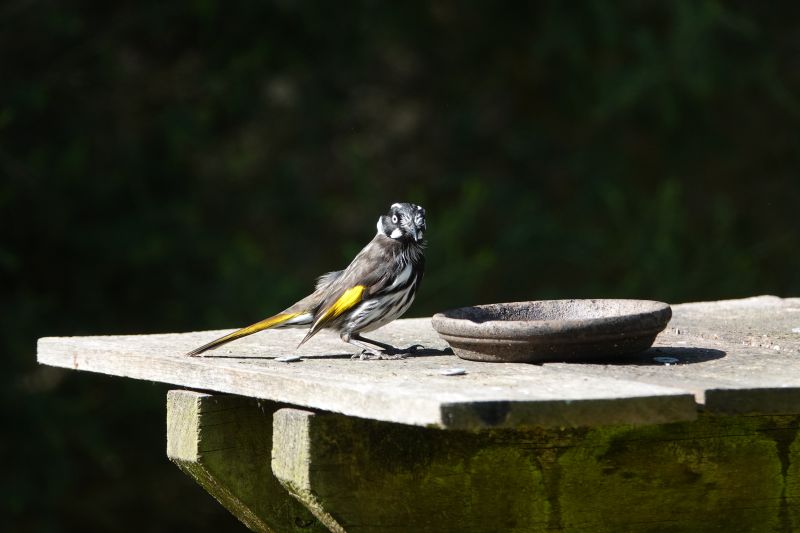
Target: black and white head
[[404, 222]]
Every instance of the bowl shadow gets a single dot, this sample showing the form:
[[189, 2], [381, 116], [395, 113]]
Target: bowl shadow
[[663, 356]]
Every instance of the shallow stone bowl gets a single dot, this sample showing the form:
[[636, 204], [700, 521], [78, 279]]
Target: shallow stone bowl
[[552, 330]]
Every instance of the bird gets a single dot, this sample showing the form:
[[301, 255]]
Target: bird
[[378, 286]]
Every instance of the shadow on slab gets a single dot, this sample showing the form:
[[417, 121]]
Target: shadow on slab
[[419, 352], [246, 357], [430, 352], [667, 355]]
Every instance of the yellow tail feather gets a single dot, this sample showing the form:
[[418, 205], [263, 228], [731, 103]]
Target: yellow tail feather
[[249, 330]]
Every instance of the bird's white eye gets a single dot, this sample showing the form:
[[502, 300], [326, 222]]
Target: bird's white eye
[[394, 219]]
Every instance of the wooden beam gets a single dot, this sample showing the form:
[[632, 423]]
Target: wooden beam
[[718, 473], [224, 443], [294, 440]]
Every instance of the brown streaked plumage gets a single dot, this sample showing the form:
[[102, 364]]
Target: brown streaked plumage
[[377, 287]]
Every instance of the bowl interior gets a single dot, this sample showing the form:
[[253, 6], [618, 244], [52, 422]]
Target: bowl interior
[[548, 310]]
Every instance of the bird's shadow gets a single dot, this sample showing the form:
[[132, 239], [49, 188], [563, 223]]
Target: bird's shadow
[[420, 352], [405, 353], [253, 357]]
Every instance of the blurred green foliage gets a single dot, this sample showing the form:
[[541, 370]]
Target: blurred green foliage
[[171, 166]]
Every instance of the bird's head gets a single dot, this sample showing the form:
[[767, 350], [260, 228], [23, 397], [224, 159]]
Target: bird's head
[[404, 222]]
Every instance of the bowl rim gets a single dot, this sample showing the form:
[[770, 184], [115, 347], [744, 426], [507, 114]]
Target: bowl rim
[[656, 314]]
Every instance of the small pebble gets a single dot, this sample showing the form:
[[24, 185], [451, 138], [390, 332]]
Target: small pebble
[[795, 330], [666, 360], [453, 372], [288, 359]]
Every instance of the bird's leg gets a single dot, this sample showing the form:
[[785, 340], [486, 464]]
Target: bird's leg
[[388, 348], [385, 347], [369, 352]]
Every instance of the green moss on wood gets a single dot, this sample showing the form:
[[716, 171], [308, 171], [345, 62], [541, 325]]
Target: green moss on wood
[[718, 473], [224, 443]]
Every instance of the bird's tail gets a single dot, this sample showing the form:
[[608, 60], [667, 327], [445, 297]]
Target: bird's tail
[[271, 322]]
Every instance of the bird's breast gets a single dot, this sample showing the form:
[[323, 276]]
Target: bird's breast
[[402, 278]]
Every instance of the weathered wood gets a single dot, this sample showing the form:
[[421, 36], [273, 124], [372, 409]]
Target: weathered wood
[[224, 443], [765, 322], [291, 461], [572, 454], [723, 365], [718, 473], [410, 391], [736, 356]]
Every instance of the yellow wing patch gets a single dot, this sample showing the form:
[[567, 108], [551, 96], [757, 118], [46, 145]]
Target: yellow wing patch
[[346, 301]]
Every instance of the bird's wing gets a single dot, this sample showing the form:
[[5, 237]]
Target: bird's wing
[[370, 271], [326, 279]]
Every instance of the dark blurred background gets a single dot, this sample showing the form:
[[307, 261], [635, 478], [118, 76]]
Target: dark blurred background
[[173, 166]]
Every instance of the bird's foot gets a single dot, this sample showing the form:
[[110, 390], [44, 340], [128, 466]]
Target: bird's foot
[[376, 355], [388, 353], [384, 356], [379, 355]]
